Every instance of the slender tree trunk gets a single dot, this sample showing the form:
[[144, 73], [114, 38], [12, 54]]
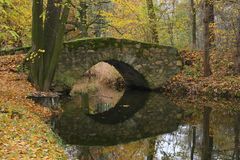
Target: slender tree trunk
[[151, 149], [207, 141], [37, 39], [99, 26], [208, 35], [50, 27], [193, 142], [152, 20], [83, 18], [236, 139], [237, 56], [194, 24], [171, 28], [85, 102]]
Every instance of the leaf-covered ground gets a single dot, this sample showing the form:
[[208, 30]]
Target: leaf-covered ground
[[23, 133], [222, 83]]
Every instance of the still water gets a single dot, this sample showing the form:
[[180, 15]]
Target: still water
[[137, 125]]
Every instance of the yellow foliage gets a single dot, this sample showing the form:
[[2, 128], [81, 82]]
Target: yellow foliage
[[128, 19], [15, 26]]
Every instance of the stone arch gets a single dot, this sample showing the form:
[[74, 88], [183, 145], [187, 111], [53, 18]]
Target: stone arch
[[131, 77], [141, 64]]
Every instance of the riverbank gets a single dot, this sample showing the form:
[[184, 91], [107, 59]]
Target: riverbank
[[23, 132], [25, 135], [190, 82]]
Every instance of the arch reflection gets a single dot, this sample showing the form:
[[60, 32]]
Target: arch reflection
[[135, 116]]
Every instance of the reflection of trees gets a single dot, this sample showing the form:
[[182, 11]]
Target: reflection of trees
[[85, 101], [79, 152], [174, 145], [86, 154], [193, 141], [236, 139], [207, 140], [151, 148]]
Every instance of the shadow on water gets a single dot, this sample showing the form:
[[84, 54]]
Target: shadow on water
[[139, 125], [137, 115], [130, 103]]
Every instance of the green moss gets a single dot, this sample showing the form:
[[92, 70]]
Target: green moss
[[97, 43], [237, 95], [94, 43], [66, 79], [14, 50]]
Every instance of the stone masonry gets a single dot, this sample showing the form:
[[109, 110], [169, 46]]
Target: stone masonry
[[141, 64]]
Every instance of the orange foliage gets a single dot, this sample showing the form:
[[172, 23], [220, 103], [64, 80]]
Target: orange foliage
[[14, 87]]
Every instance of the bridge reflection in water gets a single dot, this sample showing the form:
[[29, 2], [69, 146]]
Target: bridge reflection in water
[[135, 116], [141, 125]]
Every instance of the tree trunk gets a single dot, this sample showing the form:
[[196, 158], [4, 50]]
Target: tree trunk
[[193, 142], [208, 35], [44, 57], [194, 24], [83, 19], [99, 26], [171, 25], [236, 139], [152, 20], [151, 148], [207, 140], [237, 56], [37, 39], [57, 47]]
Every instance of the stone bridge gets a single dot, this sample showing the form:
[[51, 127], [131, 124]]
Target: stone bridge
[[141, 64]]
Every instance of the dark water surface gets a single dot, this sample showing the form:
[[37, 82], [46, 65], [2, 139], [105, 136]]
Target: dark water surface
[[137, 125]]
